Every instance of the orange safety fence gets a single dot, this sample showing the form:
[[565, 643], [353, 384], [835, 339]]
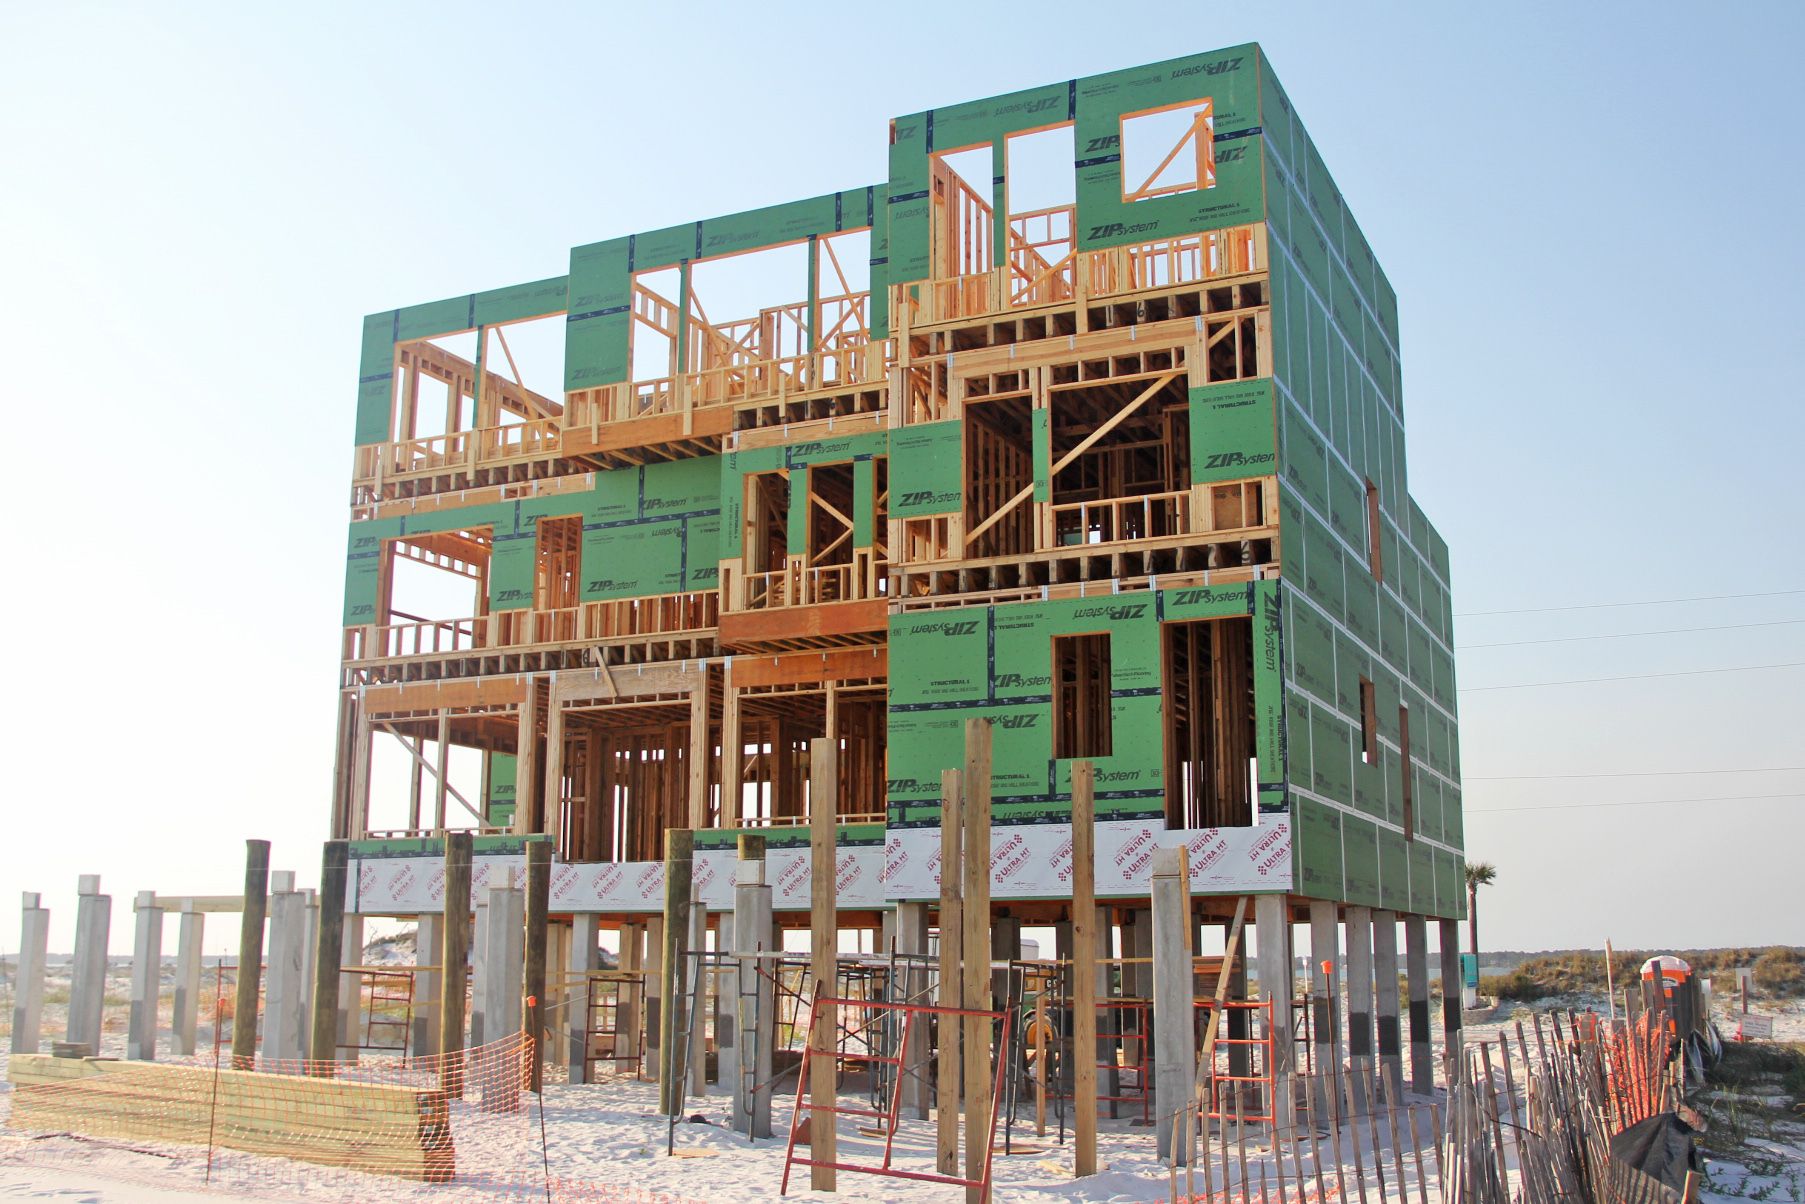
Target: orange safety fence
[[449, 1127]]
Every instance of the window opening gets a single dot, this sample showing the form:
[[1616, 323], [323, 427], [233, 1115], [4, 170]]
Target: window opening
[[964, 212], [1375, 556], [1405, 770], [1041, 190], [1168, 150], [1081, 700], [1369, 723], [557, 577]]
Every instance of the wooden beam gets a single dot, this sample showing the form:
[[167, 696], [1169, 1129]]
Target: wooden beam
[[951, 985], [979, 1066], [1084, 975], [824, 782]]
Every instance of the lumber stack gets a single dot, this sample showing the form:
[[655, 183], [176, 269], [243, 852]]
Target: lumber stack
[[371, 1127]]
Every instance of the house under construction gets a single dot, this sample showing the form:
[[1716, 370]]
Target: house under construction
[[1084, 418]]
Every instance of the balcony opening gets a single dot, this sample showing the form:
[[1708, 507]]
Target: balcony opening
[[964, 212], [1127, 467], [652, 343], [766, 538], [842, 307], [437, 578], [1209, 723], [999, 469], [1041, 190], [523, 372], [1081, 696], [1168, 150], [828, 569]]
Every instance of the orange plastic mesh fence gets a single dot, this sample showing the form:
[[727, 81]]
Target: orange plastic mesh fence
[[458, 1126]]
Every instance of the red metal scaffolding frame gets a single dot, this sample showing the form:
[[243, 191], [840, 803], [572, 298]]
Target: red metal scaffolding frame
[[892, 1114]]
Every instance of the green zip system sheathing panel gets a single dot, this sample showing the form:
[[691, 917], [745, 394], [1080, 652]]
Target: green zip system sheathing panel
[[649, 530], [601, 274], [996, 662]]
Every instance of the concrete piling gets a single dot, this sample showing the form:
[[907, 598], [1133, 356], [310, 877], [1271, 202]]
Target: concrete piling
[[28, 995]]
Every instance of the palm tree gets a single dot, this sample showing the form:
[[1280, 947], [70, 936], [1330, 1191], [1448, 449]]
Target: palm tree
[[1479, 873]]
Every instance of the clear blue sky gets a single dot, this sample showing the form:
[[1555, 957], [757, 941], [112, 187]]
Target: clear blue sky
[[1591, 214]]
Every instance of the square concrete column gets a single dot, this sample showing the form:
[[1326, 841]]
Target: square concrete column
[[1174, 1018], [191, 931], [629, 994], [1109, 946], [479, 945], [1385, 1003], [755, 1010], [429, 985], [652, 963], [726, 1005], [147, 979], [695, 1007], [88, 972], [1416, 970], [1272, 933], [912, 940], [28, 993], [501, 979], [1359, 925], [580, 963], [350, 984], [1325, 1016], [286, 987], [1453, 1047], [500, 985]]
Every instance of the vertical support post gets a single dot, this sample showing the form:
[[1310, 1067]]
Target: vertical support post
[[284, 997], [653, 965], [1452, 1038], [442, 774], [334, 863], [579, 964], [1416, 970], [501, 986], [454, 962], [951, 986], [1272, 927], [1084, 958], [88, 974], [699, 752], [1174, 1027], [538, 923], [912, 939], [1325, 1020], [824, 797], [979, 1069], [679, 854], [147, 977], [250, 951], [189, 942], [350, 986], [527, 803], [756, 1001], [696, 999], [1385, 1004], [429, 985], [551, 806], [28, 993], [632, 998], [1359, 989]]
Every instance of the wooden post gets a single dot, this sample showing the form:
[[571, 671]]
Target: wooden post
[[250, 954], [551, 815], [442, 787], [538, 906], [699, 746], [329, 959], [1083, 971], [1453, 1042], [978, 1063], [679, 853], [454, 963], [952, 922], [824, 779]]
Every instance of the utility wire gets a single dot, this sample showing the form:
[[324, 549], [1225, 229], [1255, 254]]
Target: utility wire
[[1624, 635], [1543, 610], [1580, 681], [1651, 773], [1645, 802]]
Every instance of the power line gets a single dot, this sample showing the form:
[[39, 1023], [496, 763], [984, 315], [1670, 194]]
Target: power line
[[1580, 681], [1646, 802], [1542, 610], [1624, 635], [1650, 773]]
